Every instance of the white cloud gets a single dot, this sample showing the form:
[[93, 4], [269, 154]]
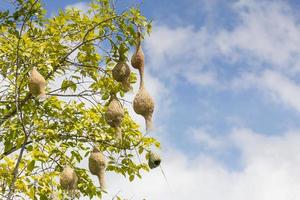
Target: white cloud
[[207, 78], [270, 172], [267, 31], [284, 89], [266, 35], [206, 139], [180, 52], [275, 86]]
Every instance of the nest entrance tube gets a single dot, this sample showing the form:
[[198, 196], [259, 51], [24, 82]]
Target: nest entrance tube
[[157, 162], [148, 120]]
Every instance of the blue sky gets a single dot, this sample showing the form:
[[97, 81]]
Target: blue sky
[[225, 77]]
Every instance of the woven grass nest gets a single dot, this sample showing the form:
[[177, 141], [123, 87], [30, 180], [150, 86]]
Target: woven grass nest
[[138, 58], [97, 165], [121, 73], [68, 178], [154, 160], [37, 84], [143, 104], [114, 115]]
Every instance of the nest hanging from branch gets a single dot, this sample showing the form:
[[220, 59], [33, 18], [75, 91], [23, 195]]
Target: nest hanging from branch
[[138, 58], [114, 115], [68, 178], [143, 104], [37, 84], [97, 165], [121, 73], [154, 160]]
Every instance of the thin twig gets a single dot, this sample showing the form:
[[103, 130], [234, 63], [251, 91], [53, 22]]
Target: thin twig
[[18, 110]]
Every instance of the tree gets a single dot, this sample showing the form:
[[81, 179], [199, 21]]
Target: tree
[[75, 52]]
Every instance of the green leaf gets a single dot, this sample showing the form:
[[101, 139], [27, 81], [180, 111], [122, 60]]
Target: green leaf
[[31, 166], [131, 178], [105, 97], [66, 84], [43, 197]]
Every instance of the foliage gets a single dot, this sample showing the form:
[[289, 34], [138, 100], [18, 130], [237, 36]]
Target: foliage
[[75, 52]]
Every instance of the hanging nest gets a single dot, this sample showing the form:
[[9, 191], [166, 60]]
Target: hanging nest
[[143, 104], [97, 165], [37, 84], [114, 115], [68, 179], [154, 160], [138, 58], [121, 73]]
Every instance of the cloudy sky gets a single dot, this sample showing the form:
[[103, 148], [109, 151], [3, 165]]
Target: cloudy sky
[[225, 77]]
